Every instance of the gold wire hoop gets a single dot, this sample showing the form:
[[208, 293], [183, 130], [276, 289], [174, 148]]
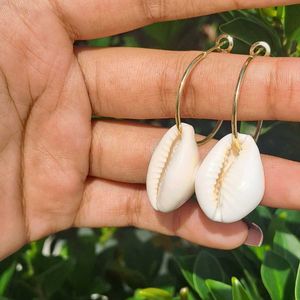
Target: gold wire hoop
[[224, 43], [257, 49]]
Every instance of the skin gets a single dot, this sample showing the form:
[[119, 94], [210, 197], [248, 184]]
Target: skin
[[59, 170]]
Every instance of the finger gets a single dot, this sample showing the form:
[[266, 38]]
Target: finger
[[107, 203], [122, 152], [142, 83], [107, 17]]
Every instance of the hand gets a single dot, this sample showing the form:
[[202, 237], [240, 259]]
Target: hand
[[59, 169]]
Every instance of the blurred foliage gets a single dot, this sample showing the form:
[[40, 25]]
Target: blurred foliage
[[138, 265], [134, 264]]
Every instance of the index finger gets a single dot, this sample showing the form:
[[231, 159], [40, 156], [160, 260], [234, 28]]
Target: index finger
[[108, 17], [133, 83]]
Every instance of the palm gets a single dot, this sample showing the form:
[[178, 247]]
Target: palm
[[52, 142]]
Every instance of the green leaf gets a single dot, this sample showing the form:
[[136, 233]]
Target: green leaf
[[132, 277], [84, 265], [6, 277], [163, 33], [219, 290], [297, 287], [252, 284], [290, 218], [269, 11], [281, 13], [186, 264], [153, 294], [292, 22], [276, 276], [174, 35], [53, 278], [104, 42], [99, 285], [141, 256], [238, 291], [233, 14], [250, 265], [287, 245], [262, 216], [106, 234], [250, 128], [250, 30], [206, 267], [226, 16], [130, 41]]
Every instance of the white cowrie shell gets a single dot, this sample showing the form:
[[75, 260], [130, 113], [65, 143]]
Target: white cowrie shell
[[229, 185], [172, 169]]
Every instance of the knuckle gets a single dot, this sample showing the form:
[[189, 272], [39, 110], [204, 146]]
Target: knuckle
[[168, 83], [80, 212], [154, 10], [237, 4], [273, 84], [96, 149], [189, 106], [134, 207], [59, 12], [176, 222], [189, 98], [95, 85], [281, 84], [164, 86]]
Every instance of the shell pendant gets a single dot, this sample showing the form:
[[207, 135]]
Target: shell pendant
[[230, 182], [172, 169]]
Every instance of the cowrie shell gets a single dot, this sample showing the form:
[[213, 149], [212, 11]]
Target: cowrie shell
[[172, 169], [229, 184]]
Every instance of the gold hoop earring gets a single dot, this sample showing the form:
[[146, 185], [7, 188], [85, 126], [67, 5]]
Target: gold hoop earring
[[257, 49], [224, 43], [171, 173], [230, 182]]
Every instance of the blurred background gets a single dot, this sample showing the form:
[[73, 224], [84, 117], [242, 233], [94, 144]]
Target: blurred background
[[132, 264]]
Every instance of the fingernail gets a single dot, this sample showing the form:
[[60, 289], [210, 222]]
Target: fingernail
[[255, 235]]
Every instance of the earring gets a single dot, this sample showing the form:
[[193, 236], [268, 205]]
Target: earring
[[171, 173], [230, 182]]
